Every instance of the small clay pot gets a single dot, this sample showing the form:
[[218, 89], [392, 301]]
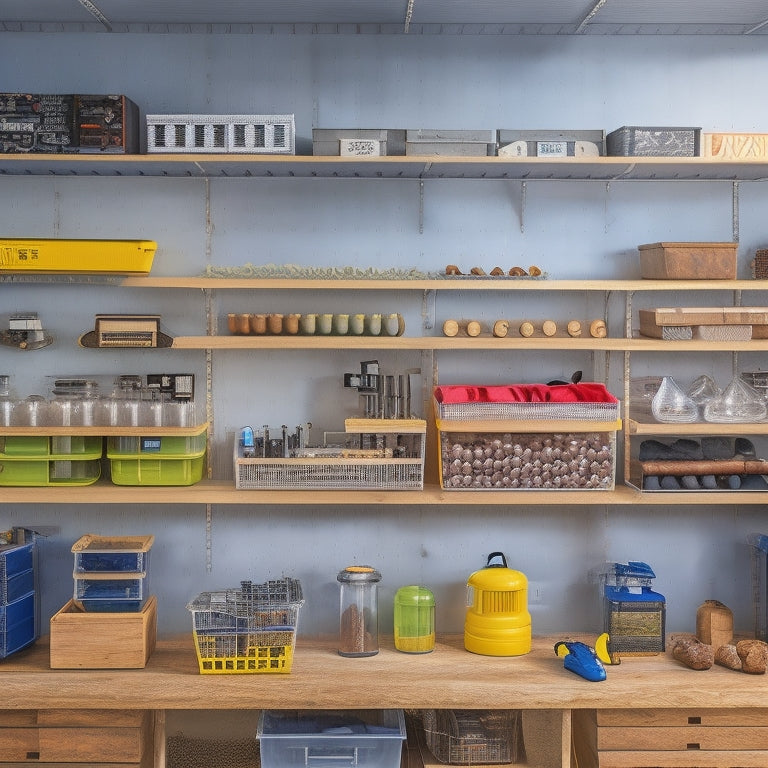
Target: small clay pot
[[275, 324], [291, 324], [258, 324]]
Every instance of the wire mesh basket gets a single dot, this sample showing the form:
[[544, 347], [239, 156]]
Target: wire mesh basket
[[579, 411], [257, 134], [474, 737], [247, 630]]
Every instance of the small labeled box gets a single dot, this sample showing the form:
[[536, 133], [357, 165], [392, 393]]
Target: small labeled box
[[363, 738], [358, 142], [527, 437], [87, 640], [651, 141], [452, 143], [552, 143]]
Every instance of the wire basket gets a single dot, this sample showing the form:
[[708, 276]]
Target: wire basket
[[527, 411], [247, 630], [474, 737]]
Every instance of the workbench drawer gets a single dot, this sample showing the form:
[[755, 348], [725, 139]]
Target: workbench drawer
[[82, 737], [671, 738]]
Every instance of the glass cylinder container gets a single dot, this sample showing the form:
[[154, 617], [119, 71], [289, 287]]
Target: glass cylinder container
[[358, 611], [7, 401], [414, 620]]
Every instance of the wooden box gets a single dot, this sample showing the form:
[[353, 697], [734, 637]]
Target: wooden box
[[83, 640], [735, 146], [666, 738], [688, 261], [49, 737]]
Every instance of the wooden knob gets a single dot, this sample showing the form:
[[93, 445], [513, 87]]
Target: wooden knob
[[526, 329], [597, 329], [501, 328], [574, 328], [473, 328], [450, 328], [549, 327]]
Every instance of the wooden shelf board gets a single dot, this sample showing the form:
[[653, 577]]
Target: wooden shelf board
[[697, 428], [217, 492], [392, 167], [450, 677]]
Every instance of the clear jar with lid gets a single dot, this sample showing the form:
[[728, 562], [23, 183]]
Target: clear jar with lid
[[358, 611]]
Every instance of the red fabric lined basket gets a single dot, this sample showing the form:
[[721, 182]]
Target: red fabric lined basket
[[583, 392]]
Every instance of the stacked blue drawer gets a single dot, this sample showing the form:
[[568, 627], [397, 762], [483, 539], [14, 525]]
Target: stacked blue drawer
[[18, 614]]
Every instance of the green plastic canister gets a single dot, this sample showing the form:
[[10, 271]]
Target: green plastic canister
[[414, 620]]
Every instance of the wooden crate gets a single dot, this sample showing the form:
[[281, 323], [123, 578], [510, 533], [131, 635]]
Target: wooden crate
[[87, 737], [688, 261], [671, 738], [735, 146], [84, 640]]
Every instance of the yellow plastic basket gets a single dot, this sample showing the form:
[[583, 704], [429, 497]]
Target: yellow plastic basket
[[218, 654], [52, 255]]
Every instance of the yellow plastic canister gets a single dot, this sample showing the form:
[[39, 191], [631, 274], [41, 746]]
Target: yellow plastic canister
[[497, 621]]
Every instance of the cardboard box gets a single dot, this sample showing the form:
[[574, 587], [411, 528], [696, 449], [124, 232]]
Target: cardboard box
[[688, 261], [81, 640]]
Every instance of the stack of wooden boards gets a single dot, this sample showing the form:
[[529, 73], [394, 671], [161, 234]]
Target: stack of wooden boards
[[705, 323]]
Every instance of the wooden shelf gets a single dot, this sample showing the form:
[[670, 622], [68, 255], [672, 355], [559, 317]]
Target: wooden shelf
[[217, 492], [539, 343], [697, 428], [393, 167], [450, 677]]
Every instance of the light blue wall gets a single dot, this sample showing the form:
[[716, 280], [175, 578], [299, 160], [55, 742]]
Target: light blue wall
[[571, 229]]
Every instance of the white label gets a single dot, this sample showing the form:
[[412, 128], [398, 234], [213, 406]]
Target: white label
[[359, 148], [552, 148]]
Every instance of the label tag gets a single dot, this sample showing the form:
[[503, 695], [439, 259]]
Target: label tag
[[150, 444], [359, 148], [552, 148]]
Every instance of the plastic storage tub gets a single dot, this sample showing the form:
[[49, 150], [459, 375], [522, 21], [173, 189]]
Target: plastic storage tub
[[361, 738], [111, 592], [93, 256], [105, 554], [18, 625]]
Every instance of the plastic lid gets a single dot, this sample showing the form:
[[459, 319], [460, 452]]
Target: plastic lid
[[359, 574], [415, 596]]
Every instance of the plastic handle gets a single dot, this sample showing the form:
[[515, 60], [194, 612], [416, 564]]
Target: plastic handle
[[497, 565], [342, 756]]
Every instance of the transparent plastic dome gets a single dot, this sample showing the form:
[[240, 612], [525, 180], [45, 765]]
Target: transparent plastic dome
[[671, 404], [703, 389], [738, 403]]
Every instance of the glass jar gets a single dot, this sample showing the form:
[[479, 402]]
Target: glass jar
[[414, 620], [358, 611]]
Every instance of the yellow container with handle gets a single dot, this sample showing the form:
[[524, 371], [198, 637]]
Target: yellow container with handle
[[497, 621]]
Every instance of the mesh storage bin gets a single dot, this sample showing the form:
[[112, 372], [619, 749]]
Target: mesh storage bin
[[396, 462], [474, 737], [111, 592], [647, 141], [257, 134], [248, 630], [527, 437], [360, 738]]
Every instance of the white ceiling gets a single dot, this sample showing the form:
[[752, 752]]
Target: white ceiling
[[560, 17]]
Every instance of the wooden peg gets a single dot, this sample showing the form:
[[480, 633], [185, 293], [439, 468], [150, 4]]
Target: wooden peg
[[549, 327], [501, 328], [597, 329], [574, 328], [526, 328]]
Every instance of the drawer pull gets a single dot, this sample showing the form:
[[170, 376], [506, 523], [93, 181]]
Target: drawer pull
[[693, 746], [33, 755], [694, 721]]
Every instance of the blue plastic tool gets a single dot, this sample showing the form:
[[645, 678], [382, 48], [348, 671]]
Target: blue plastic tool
[[580, 658]]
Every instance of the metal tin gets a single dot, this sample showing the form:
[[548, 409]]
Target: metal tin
[[551, 143], [457, 143], [358, 142]]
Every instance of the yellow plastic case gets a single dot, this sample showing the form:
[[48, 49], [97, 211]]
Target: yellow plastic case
[[94, 256]]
